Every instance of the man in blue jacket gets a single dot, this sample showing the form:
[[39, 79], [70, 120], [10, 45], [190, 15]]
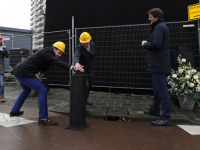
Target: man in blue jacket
[[84, 55], [159, 64], [3, 53]]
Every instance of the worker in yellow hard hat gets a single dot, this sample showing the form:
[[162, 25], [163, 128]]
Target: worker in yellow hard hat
[[84, 55], [25, 71], [3, 53]]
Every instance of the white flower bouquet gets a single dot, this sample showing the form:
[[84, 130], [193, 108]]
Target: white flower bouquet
[[185, 81]]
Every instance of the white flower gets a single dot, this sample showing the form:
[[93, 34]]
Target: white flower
[[184, 60], [193, 71], [198, 88], [172, 84], [185, 92], [195, 77], [191, 85], [174, 76], [187, 77], [197, 80], [188, 72], [180, 71]]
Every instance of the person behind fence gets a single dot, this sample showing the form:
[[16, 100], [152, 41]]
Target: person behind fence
[[3, 53], [158, 63], [84, 55], [25, 71]]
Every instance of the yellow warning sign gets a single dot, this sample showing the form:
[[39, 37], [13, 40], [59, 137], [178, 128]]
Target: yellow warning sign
[[194, 12]]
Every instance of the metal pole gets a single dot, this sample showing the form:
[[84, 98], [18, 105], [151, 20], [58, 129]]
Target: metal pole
[[72, 38], [70, 59], [75, 37], [199, 38], [199, 35], [12, 40]]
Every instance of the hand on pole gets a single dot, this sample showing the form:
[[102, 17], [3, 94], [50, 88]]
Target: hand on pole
[[79, 67]]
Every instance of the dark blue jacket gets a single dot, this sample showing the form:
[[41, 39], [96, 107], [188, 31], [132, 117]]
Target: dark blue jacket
[[85, 58], [158, 48]]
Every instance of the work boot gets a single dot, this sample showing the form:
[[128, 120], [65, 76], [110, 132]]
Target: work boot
[[89, 103], [12, 114], [2, 98], [47, 122], [162, 122], [151, 111], [87, 112]]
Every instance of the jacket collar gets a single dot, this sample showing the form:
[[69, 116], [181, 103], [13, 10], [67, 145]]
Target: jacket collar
[[160, 20], [85, 49]]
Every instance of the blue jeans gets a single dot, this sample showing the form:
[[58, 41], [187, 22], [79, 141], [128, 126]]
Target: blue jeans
[[161, 95], [27, 84], [1, 84]]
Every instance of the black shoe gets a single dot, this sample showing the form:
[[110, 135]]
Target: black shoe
[[162, 122], [89, 103], [47, 122], [12, 114], [87, 112], [153, 112]]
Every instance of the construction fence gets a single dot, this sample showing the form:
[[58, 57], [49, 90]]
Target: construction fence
[[120, 60]]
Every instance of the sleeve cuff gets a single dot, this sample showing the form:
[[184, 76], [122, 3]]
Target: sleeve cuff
[[72, 68]]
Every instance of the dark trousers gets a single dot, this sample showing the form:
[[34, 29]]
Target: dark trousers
[[88, 85], [161, 95], [35, 84]]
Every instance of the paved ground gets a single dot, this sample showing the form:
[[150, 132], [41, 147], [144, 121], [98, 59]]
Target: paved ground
[[101, 134], [59, 102]]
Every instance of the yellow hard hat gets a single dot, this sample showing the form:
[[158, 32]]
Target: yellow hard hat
[[85, 37], [60, 45]]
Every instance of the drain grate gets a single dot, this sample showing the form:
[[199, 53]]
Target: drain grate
[[117, 113]]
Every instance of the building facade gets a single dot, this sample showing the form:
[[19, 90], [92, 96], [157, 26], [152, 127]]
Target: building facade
[[38, 22]]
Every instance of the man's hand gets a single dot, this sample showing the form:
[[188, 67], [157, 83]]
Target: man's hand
[[78, 67], [143, 42]]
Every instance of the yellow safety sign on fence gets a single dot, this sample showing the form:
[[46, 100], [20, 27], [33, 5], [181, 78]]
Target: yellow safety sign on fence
[[194, 12]]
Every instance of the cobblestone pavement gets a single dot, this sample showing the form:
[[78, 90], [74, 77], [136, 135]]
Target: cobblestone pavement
[[59, 102]]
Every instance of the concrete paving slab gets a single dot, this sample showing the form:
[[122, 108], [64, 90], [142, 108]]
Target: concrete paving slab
[[191, 129]]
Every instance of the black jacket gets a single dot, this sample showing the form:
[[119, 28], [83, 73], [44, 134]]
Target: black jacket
[[158, 48], [41, 60], [85, 58], [2, 55]]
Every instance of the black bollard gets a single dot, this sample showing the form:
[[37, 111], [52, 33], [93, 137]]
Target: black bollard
[[78, 103]]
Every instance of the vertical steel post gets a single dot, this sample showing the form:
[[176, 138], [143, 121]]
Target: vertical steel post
[[199, 36], [70, 55], [75, 37], [199, 39], [72, 39]]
